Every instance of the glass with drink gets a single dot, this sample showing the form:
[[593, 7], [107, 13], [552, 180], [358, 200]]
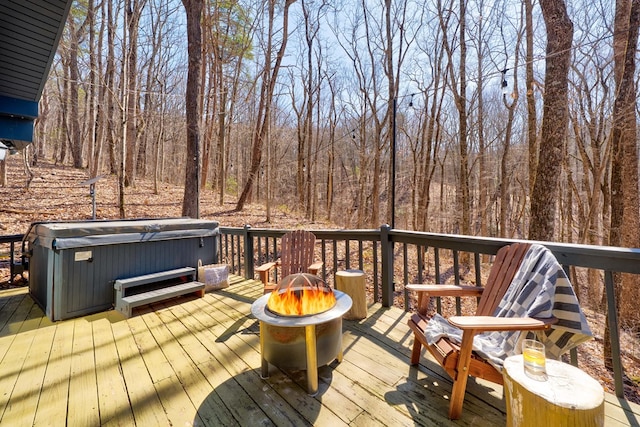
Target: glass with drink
[[533, 356]]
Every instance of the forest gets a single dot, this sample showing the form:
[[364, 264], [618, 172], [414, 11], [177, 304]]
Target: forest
[[503, 118]]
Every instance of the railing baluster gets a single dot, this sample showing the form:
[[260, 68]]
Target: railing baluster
[[323, 258], [405, 275], [347, 255], [456, 276], [436, 261], [275, 256], [387, 266], [478, 268], [376, 283], [420, 250], [248, 253], [224, 240], [239, 254], [233, 255]]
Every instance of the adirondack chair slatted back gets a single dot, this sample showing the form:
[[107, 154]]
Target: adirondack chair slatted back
[[297, 252], [505, 266]]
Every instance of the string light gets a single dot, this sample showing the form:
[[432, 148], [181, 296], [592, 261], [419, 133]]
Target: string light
[[504, 84]]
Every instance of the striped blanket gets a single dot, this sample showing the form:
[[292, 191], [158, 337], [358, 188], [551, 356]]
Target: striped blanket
[[540, 289]]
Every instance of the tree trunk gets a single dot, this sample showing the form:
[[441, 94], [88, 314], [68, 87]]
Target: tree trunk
[[3, 173], [190, 202], [554, 120], [625, 220], [134, 9], [73, 118], [110, 88], [332, 152], [510, 101], [461, 102], [93, 157], [532, 120], [220, 164]]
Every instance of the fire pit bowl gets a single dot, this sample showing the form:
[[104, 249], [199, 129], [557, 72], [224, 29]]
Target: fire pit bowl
[[301, 342], [301, 294]]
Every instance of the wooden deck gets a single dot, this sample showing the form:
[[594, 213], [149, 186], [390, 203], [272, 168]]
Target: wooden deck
[[197, 362]]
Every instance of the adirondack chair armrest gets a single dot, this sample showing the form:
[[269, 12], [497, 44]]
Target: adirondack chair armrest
[[264, 270], [491, 323], [435, 290], [266, 267]]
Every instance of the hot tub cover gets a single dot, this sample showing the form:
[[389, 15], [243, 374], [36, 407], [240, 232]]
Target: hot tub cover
[[66, 235]]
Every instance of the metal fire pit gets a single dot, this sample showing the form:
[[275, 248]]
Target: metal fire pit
[[290, 342]]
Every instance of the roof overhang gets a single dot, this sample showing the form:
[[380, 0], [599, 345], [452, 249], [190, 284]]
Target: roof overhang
[[30, 31]]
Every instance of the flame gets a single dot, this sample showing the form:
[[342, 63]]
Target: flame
[[301, 302]]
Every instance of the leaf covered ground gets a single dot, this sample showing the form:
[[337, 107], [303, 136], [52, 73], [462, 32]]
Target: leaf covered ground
[[56, 193]]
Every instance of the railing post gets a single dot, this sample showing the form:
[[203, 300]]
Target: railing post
[[248, 253], [612, 318], [386, 248]]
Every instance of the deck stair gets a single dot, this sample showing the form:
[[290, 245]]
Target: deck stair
[[149, 288]]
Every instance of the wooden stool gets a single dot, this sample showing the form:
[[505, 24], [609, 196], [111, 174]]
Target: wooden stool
[[569, 397], [353, 283]]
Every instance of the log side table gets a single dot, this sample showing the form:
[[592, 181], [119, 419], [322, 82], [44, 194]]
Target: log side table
[[568, 397], [353, 283]]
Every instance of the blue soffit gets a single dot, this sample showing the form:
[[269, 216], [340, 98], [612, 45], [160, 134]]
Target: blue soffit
[[19, 108], [17, 118]]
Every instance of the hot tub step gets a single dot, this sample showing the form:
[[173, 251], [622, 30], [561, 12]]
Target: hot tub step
[[149, 288], [128, 303]]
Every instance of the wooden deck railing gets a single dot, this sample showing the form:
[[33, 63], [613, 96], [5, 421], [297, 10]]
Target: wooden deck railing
[[11, 254], [389, 257]]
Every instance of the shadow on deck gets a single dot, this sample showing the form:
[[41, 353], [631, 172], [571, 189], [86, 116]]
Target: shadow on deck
[[196, 361]]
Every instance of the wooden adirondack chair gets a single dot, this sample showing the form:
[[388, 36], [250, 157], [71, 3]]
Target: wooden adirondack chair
[[458, 360], [296, 256]]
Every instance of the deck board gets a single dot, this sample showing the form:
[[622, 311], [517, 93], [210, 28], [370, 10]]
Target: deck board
[[82, 404], [113, 395], [22, 404], [55, 386], [196, 361], [146, 407]]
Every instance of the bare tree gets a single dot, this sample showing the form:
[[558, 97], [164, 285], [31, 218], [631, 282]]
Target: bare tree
[[190, 201], [554, 121], [305, 168], [133, 12], [587, 172], [458, 85], [625, 221], [429, 137], [530, 84], [110, 85], [510, 100], [93, 92], [269, 77], [77, 33]]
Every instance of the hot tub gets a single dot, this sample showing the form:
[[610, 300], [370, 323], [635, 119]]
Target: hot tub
[[73, 265]]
